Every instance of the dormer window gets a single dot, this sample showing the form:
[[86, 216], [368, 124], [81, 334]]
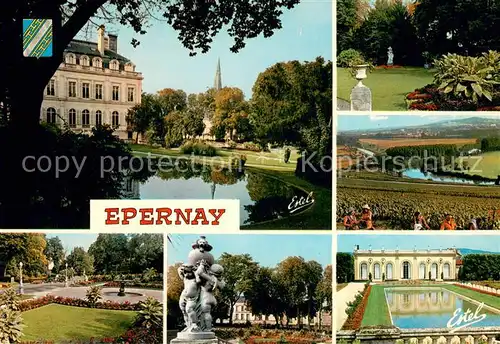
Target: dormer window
[[130, 67], [114, 65], [70, 59], [97, 62], [84, 60]]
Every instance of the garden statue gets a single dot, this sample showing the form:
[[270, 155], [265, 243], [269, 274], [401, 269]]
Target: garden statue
[[201, 276], [390, 57]]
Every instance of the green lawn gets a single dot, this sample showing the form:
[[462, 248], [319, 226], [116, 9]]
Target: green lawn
[[60, 323], [267, 160], [377, 311], [487, 165], [389, 86]]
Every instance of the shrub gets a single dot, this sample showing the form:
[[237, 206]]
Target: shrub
[[232, 144], [198, 148], [11, 328], [149, 275], [10, 299], [150, 314], [94, 294], [252, 147], [347, 57]]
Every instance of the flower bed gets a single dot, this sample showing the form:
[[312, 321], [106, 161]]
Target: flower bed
[[388, 67], [476, 290], [354, 320], [69, 301], [283, 340]]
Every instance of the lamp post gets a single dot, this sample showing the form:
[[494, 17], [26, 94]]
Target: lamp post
[[66, 276], [21, 287]]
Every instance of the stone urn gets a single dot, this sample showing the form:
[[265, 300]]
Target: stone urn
[[360, 73]]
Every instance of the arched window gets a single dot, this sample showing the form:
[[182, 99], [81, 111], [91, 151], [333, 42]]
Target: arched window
[[434, 271], [86, 118], [406, 270], [388, 271], [115, 119], [84, 60], [376, 271], [72, 118], [115, 65], [70, 58], [97, 62], [446, 271], [421, 271], [51, 115], [98, 117], [364, 272]]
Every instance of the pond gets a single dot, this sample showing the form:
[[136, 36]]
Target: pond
[[431, 308], [262, 198], [416, 173]]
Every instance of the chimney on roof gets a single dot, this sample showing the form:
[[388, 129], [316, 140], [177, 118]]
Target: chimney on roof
[[100, 39], [113, 43]]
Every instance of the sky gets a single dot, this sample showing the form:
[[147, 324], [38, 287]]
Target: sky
[[345, 243], [347, 122], [70, 241], [267, 250], [164, 62]]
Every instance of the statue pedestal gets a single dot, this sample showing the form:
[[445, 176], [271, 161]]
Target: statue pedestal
[[195, 338]]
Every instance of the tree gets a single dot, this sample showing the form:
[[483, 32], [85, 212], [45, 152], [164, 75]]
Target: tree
[[54, 252], [197, 22], [314, 275], [110, 253], [239, 271], [265, 297], [145, 251], [293, 273], [324, 293], [174, 289], [458, 26], [230, 109], [345, 267], [80, 261], [27, 248], [346, 22], [140, 116], [292, 104]]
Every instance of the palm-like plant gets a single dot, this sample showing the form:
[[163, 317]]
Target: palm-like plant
[[94, 294], [150, 314], [11, 327]]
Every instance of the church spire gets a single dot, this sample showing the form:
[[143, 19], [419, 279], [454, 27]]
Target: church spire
[[218, 77]]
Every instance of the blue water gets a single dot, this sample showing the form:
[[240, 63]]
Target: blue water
[[431, 308], [418, 174]]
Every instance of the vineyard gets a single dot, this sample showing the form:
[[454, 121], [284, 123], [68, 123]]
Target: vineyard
[[395, 203]]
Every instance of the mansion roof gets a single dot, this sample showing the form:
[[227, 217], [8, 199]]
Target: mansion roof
[[406, 252], [80, 47]]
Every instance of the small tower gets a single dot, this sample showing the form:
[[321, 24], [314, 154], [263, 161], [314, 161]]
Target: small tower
[[218, 77]]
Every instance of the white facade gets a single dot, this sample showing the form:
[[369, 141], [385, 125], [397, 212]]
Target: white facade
[[92, 87], [395, 265]]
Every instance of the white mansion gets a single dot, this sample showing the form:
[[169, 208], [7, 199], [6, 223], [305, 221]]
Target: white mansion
[[94, 85], [413, 264]]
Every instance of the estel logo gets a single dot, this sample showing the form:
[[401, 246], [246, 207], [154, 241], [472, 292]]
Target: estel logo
[[37, 38]]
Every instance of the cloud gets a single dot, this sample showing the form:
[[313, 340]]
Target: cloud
[[378, 118]]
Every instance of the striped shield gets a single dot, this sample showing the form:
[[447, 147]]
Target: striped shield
[[37, 38]]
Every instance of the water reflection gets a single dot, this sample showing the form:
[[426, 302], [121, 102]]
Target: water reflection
[[431, 308], [262, 198], [418, 174]]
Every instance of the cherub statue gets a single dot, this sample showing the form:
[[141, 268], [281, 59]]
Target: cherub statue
[[210, 277], [190, 297], [201, 251]]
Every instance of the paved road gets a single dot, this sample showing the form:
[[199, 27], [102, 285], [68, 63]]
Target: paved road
[[31, 289], [344, 296]]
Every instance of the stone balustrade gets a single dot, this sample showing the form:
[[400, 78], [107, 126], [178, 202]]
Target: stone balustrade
[[480, 287], [477, 335]]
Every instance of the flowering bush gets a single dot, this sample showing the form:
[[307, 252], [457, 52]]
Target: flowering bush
[[423, 107], [69, 301]]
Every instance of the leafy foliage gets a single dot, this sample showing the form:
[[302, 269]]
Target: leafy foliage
[[345, 267], [466, 77], [93, 295], [11, 328], [349, 57], [150, 314], [10, 299]]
